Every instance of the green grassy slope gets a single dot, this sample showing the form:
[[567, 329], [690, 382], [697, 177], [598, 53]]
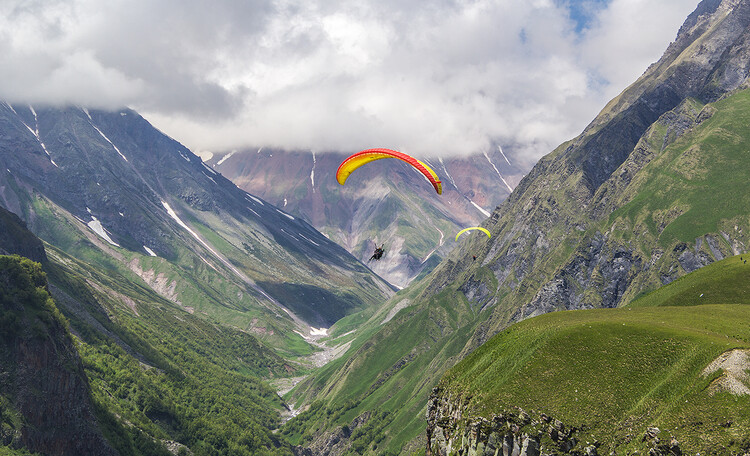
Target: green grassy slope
[[723, 282], [706, 168], [210, 290], [612, 373], [391, 368]]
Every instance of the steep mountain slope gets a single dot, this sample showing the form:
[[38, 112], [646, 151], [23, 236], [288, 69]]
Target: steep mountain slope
[[384, 202], [109, 189], [141, 372], [164, 380], [654, 378], [15, 238], [44, 394], [594, 224]]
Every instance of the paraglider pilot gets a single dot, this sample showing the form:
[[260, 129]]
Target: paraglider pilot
[[378, 253]]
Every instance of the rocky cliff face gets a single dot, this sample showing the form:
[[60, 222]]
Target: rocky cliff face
[[41, 375], [515, 432]]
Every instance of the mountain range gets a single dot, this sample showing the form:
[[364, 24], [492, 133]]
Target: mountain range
[[382, 203], [172, 280], [108, 186], [150, 302]]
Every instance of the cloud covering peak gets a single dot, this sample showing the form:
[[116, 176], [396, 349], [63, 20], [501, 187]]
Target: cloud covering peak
[[434, 77]]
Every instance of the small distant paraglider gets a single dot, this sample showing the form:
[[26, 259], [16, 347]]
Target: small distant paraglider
[[474, 228], [366, 156]]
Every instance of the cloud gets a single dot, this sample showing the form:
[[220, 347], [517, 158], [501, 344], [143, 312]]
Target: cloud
[[434, 77]]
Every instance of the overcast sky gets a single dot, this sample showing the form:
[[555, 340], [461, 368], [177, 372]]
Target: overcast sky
[[430, 77]]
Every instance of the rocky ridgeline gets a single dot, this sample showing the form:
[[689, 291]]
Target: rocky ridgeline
[[586, 180]]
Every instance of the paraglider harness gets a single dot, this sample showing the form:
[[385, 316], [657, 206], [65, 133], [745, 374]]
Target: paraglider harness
[[378, 253]]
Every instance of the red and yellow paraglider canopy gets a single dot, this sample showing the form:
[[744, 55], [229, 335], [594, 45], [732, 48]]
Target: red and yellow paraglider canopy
[[366, 156]]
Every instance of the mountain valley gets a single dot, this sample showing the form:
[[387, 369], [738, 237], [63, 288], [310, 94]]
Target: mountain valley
[[156, 304]]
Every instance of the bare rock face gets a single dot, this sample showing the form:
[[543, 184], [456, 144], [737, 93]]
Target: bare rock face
[[512, 433], [451, 429], [41, 374]]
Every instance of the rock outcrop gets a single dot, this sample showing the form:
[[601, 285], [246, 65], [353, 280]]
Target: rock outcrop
[[453, 431], [511, 433]]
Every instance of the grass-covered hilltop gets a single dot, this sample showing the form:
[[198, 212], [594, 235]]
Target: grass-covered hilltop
[[668, 371]]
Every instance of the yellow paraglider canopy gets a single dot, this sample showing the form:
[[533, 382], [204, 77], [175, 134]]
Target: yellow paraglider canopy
[[474, 228]]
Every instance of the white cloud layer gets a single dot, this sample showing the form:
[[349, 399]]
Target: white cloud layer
[[432, 77]]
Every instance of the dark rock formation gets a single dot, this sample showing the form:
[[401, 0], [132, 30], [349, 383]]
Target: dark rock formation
[[15, 238]]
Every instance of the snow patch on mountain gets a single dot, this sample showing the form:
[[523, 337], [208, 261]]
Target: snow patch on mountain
[[34, 131], [308, 239], [486, 213], [209, 169], [510, 189], [447, 173], [503, 153], [312, 174], [239, 274], [177, 219], [96, 227], [225, 157], [254, 199], [318, 331]]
